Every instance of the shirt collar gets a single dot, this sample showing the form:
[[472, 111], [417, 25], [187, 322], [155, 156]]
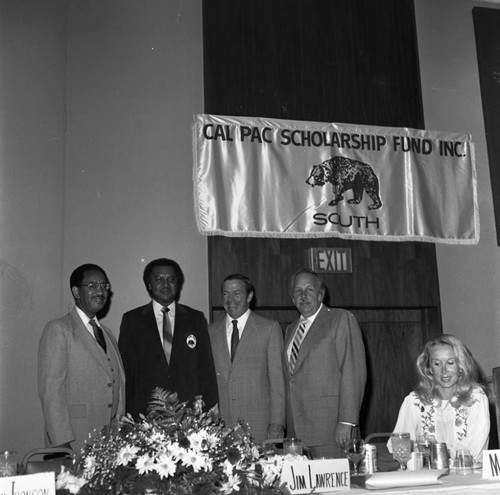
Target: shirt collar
[[85, 318], [311, 318], [157, 308], [242, 320]]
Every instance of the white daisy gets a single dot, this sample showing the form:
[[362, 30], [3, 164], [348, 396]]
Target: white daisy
[[126, 454]]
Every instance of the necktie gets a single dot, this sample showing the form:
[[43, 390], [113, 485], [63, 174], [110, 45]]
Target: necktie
[[235, 339], [297, 341], [99, 336], [167, 334]]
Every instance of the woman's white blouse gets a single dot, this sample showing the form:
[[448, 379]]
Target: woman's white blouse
[[465, 427]]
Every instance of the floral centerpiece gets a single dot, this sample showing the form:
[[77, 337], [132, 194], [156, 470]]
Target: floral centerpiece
[[174, 450]]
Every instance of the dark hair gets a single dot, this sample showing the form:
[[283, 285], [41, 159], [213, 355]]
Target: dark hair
[[164, 262], [76, 277], [469, 376], [249, 287], [307, 271]]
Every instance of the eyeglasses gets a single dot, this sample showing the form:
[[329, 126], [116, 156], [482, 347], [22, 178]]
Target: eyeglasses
[[96, 285]]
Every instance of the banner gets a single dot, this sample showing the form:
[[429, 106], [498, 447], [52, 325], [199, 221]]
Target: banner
[[258, 177]]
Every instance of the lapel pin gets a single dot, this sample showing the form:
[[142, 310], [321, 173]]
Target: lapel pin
[[191, 341]]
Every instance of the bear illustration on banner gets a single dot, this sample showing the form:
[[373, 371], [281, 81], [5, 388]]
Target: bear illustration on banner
[[345, 174]]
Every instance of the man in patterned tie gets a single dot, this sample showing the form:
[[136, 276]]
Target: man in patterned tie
[[324, 366], [165, 344], [80, 373], [247, 352]]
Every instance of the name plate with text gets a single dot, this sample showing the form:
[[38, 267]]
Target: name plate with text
[[491, 464], [36, 484], [325, 475]]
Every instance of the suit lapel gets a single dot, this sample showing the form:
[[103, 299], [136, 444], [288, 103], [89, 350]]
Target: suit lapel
[[313, 335], [220, 343], [290, 332], [181, 331], [247, 337], [151, 334], [149, 330], [87, 340]]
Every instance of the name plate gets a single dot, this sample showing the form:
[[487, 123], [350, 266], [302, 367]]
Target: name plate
[[491, 464], [325, 475], [29, 484]]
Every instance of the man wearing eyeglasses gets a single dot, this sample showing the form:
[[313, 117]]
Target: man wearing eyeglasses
[[165, 344], [80, 372]]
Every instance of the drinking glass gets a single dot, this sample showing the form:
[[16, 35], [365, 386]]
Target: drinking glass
[[8, 463], [424, 443], [401, 448], [355, 451], [292, 446], [463, 462]]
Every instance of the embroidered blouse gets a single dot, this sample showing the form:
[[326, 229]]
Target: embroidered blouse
[[465, 427]]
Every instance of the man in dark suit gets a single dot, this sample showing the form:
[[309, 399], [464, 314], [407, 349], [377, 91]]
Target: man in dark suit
[[247, 352], [325, 368], [165, 344], [80, 372]]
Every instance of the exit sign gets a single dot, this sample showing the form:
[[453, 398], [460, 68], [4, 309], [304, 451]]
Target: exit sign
[[330, 260]]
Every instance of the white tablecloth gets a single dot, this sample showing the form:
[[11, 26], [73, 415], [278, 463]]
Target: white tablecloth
[[450, 484]]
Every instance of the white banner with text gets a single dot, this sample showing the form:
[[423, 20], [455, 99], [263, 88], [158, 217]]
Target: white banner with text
[[258, 177]]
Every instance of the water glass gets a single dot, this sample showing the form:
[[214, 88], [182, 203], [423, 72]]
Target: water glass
[[463, 463], [355, 451], [8, 463], [424, 443], [401, 448], [292, 446]]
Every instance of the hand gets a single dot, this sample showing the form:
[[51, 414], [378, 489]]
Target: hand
[[275, 431], [342, 434]]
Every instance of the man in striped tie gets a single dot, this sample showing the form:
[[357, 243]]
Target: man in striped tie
[[325, 368]]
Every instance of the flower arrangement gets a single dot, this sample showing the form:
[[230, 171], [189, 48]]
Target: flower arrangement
[[174, 450]]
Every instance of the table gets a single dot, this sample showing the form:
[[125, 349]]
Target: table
[[451, 484]]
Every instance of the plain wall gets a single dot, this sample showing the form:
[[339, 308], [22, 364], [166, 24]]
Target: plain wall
[[32, 91], [469, 276], [96, 105], [134, 82]]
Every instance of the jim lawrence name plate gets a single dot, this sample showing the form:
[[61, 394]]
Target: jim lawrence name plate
[[325, 475]]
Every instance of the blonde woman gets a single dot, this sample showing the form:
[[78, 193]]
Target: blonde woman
[[449, 402]]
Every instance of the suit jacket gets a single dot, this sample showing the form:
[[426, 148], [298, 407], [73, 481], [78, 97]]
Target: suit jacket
[[328, 381], [251, 387], [81, 387], [191, 371]]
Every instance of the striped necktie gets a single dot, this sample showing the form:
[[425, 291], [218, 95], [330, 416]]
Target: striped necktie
[[167, 334], [297, 341]]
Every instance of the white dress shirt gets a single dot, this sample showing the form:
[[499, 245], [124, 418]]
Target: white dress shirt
[[85, 319], [242, 321]]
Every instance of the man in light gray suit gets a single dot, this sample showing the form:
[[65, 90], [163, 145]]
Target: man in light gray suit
[[80, 372], [247, 352], [325, 368]]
